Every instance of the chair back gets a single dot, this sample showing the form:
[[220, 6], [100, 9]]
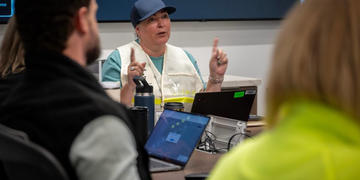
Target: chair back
[[23, 159]]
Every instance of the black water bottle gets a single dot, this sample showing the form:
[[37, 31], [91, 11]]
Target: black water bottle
[[144, 97], [139, 115]]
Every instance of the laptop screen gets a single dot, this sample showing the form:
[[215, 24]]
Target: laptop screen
[[229, 104], [175, 136]]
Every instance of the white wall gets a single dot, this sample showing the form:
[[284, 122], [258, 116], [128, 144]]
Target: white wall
[[247, 43]]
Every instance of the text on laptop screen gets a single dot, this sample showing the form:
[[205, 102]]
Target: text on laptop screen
[[175, 135]]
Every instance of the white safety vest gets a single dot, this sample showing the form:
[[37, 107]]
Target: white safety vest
[[179, 80]]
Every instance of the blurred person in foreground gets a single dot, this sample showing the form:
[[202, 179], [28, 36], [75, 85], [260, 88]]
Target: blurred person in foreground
[[12, 63], [172, 71], [313, 100], [60, 105], [12, 66]]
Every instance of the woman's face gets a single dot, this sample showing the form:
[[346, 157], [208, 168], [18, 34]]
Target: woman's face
[[155, 30]]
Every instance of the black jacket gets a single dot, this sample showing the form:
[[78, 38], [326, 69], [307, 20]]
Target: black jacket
[[55, 101], [8, 83]]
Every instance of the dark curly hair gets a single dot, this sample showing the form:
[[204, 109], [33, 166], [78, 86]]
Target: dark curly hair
[[46, 24]]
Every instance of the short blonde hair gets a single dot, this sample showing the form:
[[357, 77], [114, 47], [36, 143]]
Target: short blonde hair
[[11, 51], [317, 56]]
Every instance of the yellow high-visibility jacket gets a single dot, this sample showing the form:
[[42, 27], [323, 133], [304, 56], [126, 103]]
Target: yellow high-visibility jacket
[[311, 141]]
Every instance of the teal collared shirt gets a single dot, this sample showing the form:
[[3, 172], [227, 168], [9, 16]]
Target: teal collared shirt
[[112, 66]]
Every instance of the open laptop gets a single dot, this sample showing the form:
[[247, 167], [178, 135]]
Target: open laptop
[[173, 139], [229, 104]]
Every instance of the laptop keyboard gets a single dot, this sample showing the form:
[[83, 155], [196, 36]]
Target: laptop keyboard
[[157, 164]]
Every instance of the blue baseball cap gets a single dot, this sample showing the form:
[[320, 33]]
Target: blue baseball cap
[[143, 9]]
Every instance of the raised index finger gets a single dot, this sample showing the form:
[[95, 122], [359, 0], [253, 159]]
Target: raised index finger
[[132, 55], [215, 44]]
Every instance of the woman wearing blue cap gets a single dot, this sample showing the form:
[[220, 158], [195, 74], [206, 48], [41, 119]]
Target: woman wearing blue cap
[[172, 71]]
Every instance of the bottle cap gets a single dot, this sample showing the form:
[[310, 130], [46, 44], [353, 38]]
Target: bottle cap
[[177, 106], [142, 86]]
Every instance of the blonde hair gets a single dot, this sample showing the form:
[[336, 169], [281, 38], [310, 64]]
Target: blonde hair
[[11, 51], [317, 57]]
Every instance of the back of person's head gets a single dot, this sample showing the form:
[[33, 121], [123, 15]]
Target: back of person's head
[[317, 56], [47, 24], [11, 51]]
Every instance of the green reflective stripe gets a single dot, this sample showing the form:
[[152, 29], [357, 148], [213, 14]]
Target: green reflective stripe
[[180, 99], [176, 99], [157, 101]]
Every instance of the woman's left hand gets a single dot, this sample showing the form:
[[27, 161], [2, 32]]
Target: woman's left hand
[[218, 62]]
